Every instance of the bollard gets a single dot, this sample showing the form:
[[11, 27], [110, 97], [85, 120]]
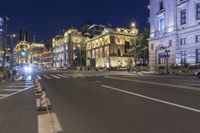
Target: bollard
[[44, 103], [38, 87]]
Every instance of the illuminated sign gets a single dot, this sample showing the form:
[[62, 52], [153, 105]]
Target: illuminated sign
[[1, 24]]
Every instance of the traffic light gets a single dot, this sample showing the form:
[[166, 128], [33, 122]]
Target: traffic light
[[22, 53]]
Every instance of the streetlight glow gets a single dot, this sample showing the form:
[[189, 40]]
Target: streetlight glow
[[14, 35], [133, 24]]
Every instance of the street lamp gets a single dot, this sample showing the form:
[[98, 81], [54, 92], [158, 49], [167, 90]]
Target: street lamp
[[5, 42], [12, 46], [80, 63], [133, 25], [167, 51]]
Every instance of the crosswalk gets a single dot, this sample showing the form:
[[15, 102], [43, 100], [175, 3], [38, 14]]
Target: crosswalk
[[13, 87], [66, 76]]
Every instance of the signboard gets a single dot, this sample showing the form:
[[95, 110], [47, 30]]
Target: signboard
[[1, 24]]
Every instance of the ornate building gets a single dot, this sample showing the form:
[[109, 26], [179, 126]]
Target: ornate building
[[67, 49], [175, 32], [109, 48], [28, 53], [47, 58]]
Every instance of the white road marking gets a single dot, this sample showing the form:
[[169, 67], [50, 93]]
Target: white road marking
[[55, 76], [156, 83], [73, 76], [82, 76], [20, 78], [14, 86], [45, 125], [3, 95], [153, 99], [8, 95], [22, 83], [11, 89], [47, 77], [63, 76], [39, 77]]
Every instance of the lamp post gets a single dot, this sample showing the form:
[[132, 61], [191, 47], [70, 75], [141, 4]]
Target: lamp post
[[167, 57], [12, 47], [80, 59], [5, 42]]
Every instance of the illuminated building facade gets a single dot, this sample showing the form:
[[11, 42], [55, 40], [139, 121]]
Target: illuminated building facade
[[67, 49], [29, 53], [174, 33], [47, 58], [107, 50], [1, 39]]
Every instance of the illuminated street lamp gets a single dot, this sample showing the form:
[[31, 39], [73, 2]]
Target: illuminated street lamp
[[133, 25]]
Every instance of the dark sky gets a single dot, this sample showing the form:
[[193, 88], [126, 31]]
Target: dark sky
[[45, 18]]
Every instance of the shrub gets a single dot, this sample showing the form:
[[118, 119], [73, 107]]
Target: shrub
[[5, 74], [1, 76]]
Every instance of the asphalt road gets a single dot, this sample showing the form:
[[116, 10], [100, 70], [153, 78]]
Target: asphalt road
[[18, 113], [97, 102]]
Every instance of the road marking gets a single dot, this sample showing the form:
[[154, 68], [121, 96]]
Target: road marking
[[20, 78], [55, 76], [11, 89], [73, 76], [45, 123], [16, 86], [156, 83], [39, 77], [47, 77], [22, 83], [82, 76], [8, 95], [3, 95], [63, 76], [153, 99]]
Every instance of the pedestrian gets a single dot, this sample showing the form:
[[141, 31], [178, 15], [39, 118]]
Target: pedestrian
[[14, 72]]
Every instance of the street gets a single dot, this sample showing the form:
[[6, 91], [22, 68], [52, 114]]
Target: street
[[109, 102]]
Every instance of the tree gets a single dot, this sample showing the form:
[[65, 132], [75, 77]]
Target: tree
[[140, 47]]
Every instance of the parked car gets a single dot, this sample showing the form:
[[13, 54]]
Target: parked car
[[197, 73]]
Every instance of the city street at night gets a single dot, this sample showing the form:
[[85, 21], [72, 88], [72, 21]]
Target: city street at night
[[100, 66], [90, 101]]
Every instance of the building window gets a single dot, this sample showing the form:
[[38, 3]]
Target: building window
[[183, 16], [183, 57], [198, 11], [161, 58], [197, 38], [170, 43], [161, 5], [197, 56], [152, 46], [161, 24], [182, 41]]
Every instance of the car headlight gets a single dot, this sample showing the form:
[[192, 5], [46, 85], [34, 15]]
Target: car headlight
[[28, 69]]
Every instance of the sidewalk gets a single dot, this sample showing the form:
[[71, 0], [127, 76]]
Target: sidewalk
[[144, 73]]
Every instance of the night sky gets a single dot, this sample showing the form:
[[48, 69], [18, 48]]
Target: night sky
[[45, 18]]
